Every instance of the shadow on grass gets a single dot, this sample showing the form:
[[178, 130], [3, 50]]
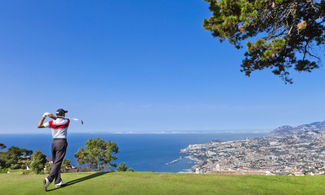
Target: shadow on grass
[[69, 183]]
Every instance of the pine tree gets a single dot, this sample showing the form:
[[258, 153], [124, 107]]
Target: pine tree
[[280, 34], [98, 154], [38, 161]]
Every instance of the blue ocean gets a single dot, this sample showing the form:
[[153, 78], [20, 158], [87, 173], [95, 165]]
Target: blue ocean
[[142, 152]]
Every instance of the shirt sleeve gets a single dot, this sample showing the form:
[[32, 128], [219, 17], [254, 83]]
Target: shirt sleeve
[[46, 125]]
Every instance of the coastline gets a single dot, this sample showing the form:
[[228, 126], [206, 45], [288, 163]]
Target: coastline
[[156, 149], [287, 150]]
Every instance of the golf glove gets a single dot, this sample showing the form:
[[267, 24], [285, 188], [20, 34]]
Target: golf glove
[[46, 114]]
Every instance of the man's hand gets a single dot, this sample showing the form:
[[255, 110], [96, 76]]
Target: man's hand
[[46, 114], [40, 124]]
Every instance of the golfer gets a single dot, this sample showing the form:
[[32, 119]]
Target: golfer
[[59, 127]]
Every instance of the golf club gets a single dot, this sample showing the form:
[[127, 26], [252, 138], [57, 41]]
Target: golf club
[[76, 119]]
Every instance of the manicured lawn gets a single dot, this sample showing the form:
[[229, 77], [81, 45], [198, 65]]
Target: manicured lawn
[[163, 183]]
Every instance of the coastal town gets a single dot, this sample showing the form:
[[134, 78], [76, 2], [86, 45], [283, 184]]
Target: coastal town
[[285, 151]]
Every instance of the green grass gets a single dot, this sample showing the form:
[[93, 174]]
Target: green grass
[[163, 183]]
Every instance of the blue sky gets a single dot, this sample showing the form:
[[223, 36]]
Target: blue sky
[[137, 66]]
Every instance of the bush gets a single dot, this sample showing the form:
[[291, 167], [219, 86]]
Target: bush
[[66, 166], [122, 167], [48, 167], [38, 161], [3, 170]]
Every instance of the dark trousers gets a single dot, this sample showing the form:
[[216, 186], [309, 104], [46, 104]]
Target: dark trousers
[[59, 148]]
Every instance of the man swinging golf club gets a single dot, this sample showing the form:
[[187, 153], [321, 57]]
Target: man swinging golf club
[[59, 127]]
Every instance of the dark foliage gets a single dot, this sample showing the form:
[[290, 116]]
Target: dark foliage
[[98, 154], [284, 32]]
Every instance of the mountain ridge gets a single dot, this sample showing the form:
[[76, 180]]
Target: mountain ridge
[[287, 130]]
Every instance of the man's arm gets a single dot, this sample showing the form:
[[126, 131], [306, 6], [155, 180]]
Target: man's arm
[[40, 123], [52, 117]]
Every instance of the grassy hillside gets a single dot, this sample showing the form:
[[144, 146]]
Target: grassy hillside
[[163, 183]]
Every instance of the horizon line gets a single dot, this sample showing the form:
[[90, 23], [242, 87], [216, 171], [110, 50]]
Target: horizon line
[[138, 133]]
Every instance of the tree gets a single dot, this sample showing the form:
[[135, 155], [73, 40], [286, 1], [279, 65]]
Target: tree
[[2, 146], [38, 161], [2, 156], [81, 156], [66, 165], [15, 157], [98, 154], [122, 167], [284, 32]]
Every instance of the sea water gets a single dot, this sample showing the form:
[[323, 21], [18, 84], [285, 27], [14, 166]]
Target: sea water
[[142, 152]]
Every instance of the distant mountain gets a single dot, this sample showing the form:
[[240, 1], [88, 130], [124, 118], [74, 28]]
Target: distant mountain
[[287, 147], [312, 128]]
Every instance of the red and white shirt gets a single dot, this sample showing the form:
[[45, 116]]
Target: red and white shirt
[[59, 127]]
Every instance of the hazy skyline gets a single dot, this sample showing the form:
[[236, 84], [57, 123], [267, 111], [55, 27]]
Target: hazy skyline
[[137, 66]]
